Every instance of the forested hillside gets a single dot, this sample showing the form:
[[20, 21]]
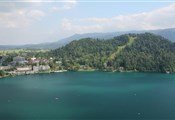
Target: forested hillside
[[130, 52]]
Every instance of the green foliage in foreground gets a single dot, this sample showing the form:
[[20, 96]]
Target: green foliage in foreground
[[139, 52], [2, 73]]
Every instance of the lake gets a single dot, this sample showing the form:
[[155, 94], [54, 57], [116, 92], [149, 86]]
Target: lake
[[88, 95]]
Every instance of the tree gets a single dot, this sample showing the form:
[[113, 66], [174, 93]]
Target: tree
[[2, 73]]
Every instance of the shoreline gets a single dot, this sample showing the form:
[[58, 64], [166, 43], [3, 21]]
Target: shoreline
[[92, 70], [44, 72]]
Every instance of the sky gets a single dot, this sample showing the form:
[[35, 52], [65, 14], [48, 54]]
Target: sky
[[39, 21]]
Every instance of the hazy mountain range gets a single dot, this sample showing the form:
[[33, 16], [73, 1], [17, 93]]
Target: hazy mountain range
[[166, 33]]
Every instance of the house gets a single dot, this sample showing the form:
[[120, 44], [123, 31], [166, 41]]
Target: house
[[45, 67], [58, 62], [35, 68], [34, 60]]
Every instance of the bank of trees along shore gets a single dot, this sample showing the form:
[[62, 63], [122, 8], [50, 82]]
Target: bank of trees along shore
[[138, 52], [131, 52]]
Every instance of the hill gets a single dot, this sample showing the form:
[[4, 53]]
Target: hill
[[129, 52]]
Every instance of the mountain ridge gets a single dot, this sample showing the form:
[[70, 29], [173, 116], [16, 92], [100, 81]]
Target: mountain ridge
[[166, 33]]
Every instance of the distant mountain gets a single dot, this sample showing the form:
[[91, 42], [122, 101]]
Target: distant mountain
[[166, 33], [129, 52]]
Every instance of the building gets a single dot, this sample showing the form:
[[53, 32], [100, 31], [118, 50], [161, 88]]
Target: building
[[44, 61], [34, 60], [35, 68], [38, 60], [19, 60], [58, 62], [5, 67], [41, 68], [28, 68]]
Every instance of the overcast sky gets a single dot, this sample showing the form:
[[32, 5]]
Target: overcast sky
[[38, 21]]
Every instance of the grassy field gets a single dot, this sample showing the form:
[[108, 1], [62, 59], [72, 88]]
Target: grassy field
[[20, 51], [120, 48]]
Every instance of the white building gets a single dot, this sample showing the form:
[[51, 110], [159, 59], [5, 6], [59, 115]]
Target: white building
[[41, 68], [24, 68], [5, 67], [33, 58]]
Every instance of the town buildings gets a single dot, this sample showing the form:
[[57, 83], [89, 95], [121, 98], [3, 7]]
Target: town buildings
[[19, 60]]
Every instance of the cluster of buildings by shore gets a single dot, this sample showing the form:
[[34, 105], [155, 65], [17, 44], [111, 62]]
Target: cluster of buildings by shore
[[30, 70], [20, 65]]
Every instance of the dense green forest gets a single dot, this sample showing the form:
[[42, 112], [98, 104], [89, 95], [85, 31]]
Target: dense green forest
[[130, 52]]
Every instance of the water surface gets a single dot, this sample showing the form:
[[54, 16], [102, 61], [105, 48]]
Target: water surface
[[88, 95]]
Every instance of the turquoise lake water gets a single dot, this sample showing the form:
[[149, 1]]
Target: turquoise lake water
[[88, 95]]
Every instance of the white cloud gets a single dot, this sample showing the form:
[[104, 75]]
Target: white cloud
[[8, 6], [22, 13], [19, 14], [36, 14], [69, 26], [19, 18], [69, 4], [64, 5], [156, 19]]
